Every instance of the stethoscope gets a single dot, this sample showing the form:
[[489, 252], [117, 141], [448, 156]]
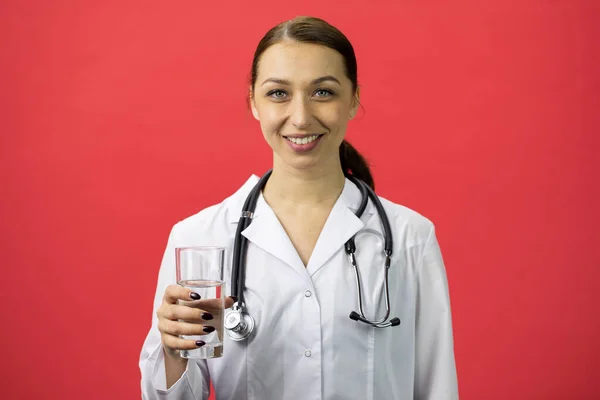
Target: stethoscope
[[240, 324]]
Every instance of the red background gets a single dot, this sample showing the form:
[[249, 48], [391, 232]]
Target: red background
[[119, 118]]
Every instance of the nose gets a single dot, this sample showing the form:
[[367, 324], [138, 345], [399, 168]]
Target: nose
[[300, 112]]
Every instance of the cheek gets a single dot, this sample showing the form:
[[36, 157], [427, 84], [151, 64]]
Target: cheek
[[270, 119], [335, 115]]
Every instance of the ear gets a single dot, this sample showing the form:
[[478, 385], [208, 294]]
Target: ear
[[355, 103], [252, 104]]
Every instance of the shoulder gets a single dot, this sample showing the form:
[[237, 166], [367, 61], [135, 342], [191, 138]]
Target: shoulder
[[214, 218], [410, 226], [210, 216]]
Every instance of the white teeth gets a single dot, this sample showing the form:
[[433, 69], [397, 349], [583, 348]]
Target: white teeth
[[304, 140]]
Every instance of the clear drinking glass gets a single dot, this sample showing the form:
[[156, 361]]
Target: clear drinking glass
[[200, 268]]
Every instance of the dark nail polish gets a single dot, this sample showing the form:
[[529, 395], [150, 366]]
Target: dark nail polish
[[234, 298], [200, 343], [208, 329], [207, 316], [195, 296]]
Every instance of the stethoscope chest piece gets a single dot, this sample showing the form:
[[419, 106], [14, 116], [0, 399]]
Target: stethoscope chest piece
[[239, 324]]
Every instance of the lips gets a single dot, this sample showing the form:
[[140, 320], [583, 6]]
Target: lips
[[301, 135], [302, 139], [303, 143]]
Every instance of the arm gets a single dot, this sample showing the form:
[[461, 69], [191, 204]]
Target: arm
[[435, 369], [163, 376]]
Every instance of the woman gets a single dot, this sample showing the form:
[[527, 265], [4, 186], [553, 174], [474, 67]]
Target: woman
[[299, 286]]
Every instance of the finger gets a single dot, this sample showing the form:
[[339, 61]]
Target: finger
[[206, 304], [177, 343], [178, 328], [182, 312], [173, 293]]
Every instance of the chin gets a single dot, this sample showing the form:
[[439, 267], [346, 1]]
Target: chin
[[302, 165], [298, 162], [301, 161]]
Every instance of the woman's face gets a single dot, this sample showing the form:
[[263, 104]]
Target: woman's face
[[303, 101]]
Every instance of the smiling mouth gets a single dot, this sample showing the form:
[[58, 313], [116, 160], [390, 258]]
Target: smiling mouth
[[303, 140]]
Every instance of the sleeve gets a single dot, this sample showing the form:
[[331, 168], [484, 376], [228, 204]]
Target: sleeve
[[194, 383], [435, 369]]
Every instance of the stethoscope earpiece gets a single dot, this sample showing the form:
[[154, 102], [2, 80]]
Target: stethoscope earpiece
[[392, 322], [354, 316], [350, 248]]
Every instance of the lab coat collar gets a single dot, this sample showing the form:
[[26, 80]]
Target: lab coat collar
[[350, 197], [236, 201], [266, 231]]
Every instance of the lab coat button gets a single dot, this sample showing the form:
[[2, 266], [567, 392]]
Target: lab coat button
[[307, 353], [308, 293]]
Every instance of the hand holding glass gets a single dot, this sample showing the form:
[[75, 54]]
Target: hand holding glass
[[201, 270]]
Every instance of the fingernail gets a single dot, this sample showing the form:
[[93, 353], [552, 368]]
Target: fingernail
[[207, 316], [195, 296], [234, 298], [208, 329], [200, 343]]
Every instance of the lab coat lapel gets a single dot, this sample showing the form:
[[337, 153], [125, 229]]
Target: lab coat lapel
[[340, 226], [266, 232]]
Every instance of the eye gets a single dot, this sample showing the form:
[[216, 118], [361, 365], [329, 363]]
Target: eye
[[324, 93], [277, 94]]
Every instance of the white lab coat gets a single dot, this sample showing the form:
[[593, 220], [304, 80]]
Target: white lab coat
[[305, 347]]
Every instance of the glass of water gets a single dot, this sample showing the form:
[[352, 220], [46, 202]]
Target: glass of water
[[200, 269]]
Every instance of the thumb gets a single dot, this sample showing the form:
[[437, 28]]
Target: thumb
[[229, 300]]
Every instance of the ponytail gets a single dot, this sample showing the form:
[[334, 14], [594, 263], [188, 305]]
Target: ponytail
[[353, 161]]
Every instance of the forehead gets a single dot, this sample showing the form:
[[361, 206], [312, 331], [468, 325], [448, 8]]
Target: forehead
[[300, 62]]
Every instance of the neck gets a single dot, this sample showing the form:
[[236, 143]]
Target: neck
[[304, 187]]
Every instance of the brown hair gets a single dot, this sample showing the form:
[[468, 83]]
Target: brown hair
[[317, 31]]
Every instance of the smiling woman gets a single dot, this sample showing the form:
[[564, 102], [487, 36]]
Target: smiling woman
[[303, 101], [298, 296], [317, 99]]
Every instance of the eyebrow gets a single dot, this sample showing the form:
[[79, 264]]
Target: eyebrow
[[314, 82]]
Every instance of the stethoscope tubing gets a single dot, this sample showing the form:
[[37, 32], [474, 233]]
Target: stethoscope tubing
[[238, 270]]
